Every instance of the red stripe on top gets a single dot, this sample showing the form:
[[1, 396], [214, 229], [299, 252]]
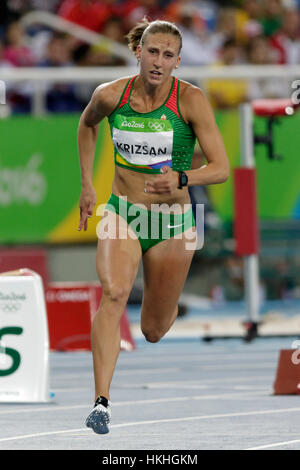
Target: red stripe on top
[[127, 92], [172, 101]]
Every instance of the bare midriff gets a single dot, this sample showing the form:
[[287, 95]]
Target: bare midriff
[[132, 184]]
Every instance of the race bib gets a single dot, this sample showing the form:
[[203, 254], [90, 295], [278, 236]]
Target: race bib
[[143, 142]]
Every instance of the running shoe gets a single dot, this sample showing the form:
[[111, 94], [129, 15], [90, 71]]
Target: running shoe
[[99, 417]]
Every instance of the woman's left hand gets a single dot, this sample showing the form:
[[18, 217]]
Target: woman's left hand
[[167, 182]]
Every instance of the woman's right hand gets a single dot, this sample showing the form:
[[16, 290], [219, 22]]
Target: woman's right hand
[[87, 203]]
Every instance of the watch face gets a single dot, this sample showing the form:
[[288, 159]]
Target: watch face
[[184, 179]]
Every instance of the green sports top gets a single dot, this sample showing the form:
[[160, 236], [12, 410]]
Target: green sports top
[[145, 142]]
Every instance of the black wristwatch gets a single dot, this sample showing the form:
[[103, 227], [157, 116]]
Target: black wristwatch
[[183, 179]]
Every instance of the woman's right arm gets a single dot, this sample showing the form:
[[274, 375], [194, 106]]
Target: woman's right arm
[[99, 107]]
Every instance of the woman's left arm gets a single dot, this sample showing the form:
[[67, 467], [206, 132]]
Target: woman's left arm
[[197, 110]]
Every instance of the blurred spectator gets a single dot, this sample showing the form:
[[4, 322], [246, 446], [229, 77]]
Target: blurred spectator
[[3, 15], [38, 43], [88, 56], [193, 40], [83, 56], [286, 281], [16, 51], [60, 97], [281, 280], [102, 54], [227, 23], [91, 14], [207, 10], [6, 16], [5, 108], [272, 16], [259, 32], [259, 53], [16, 8], [217, 294], [18, 54], [58, 52], [248, 21], [114, 29], [286, 43], [3, 61], [133, 11], [224, 93], [233, 278], [45, 5], [204, 13]]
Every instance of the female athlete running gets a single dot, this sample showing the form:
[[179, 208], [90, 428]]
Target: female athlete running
[[155, 119]]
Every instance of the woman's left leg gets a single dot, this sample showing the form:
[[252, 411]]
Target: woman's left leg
[[166, 266]]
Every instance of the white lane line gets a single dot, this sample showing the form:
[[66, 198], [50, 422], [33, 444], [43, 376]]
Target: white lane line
[[36, 410], [237, 379], [147, 371], [242, 365], [248, 387], [158, 421], [60, 363], [199, 359], [202, 355], [121, 372], [192, 383], [137, 402], [41, 434], [186, 384], [180, 384], [277, 444], [63, 376], [69, 390]]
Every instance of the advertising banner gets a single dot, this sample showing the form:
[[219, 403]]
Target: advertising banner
[[40, 176]]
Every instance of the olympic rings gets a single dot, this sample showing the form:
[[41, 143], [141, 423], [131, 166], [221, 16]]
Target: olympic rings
[[157, 126], [10, 307]]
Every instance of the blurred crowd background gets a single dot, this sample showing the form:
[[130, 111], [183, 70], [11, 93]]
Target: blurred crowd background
[[215, 33]]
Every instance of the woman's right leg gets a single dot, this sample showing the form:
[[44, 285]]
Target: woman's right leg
[[117, 264]]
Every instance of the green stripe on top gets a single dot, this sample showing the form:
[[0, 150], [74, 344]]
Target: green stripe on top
[[183, 139]]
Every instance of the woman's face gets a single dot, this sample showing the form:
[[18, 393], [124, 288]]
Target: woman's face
[[158, 56]]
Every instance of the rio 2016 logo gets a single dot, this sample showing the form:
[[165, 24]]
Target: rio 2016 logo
[[15, 355]]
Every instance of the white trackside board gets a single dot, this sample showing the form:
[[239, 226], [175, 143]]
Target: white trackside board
[[24, 342]]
